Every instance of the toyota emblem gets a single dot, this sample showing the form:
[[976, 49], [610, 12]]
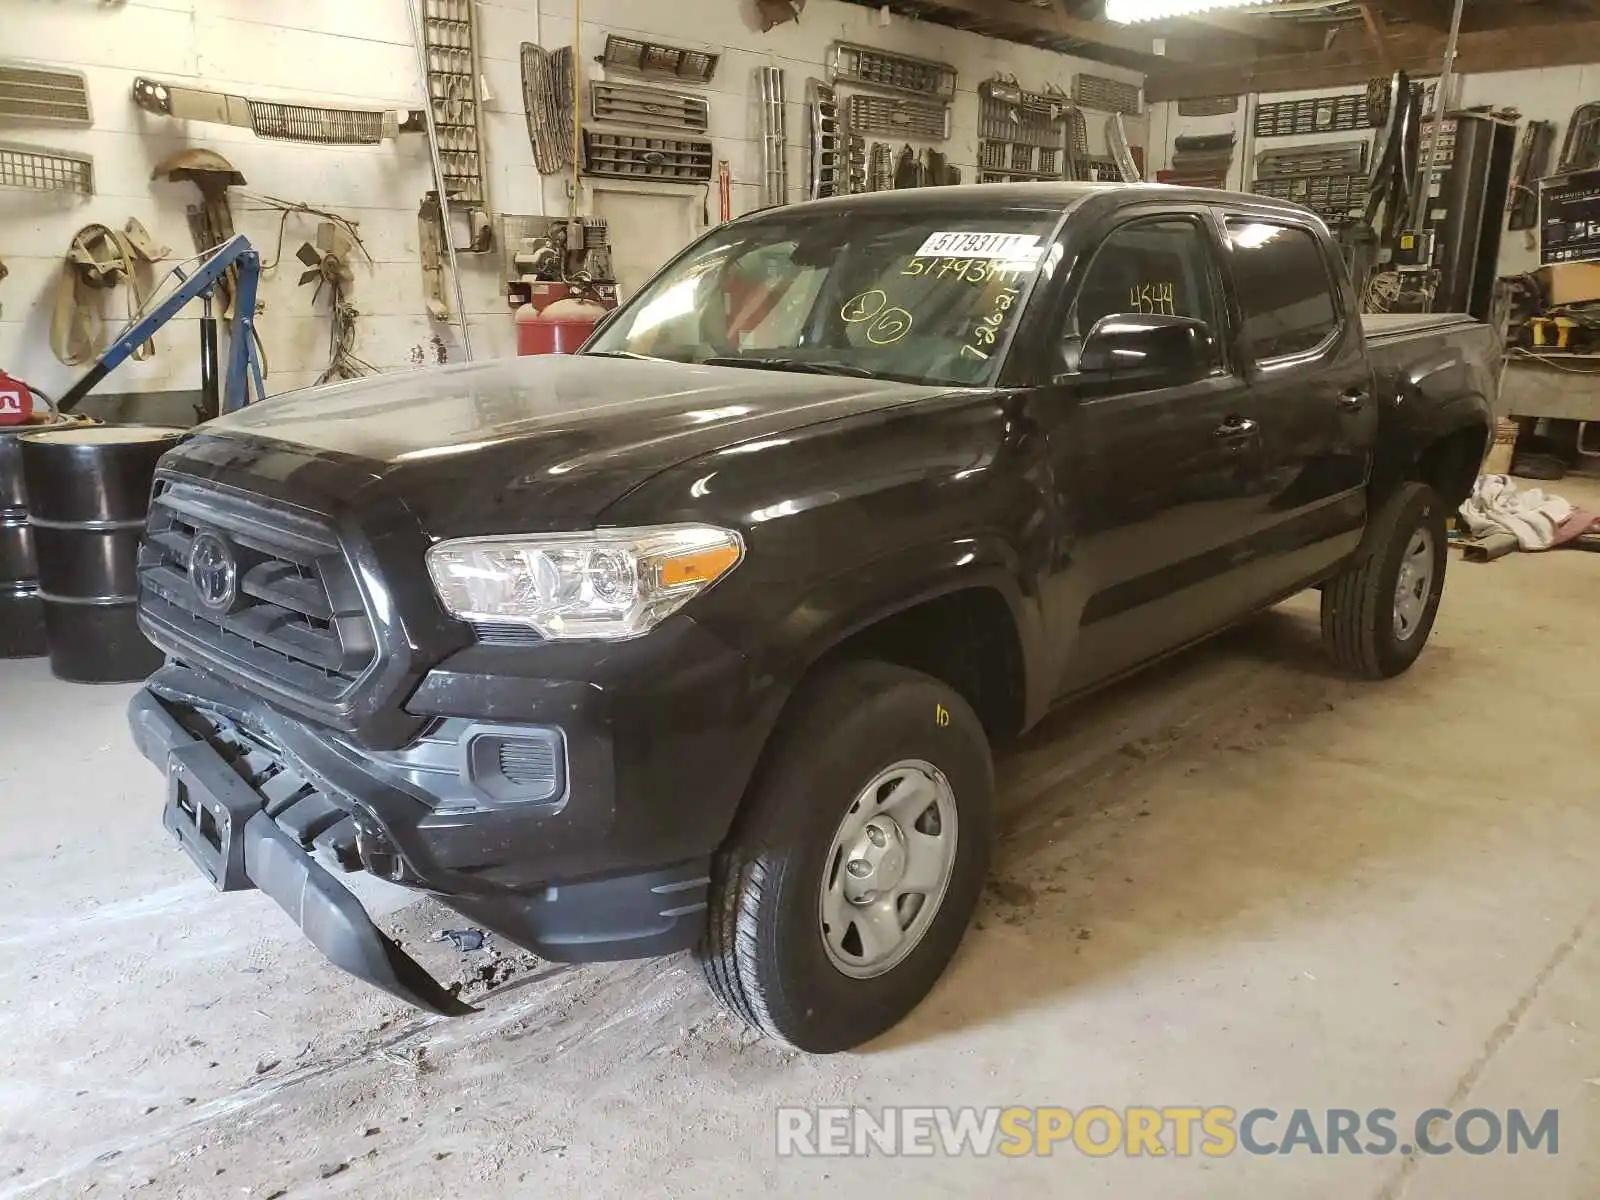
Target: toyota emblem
[[213, 573]]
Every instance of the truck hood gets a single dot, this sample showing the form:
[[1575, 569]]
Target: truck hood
[[539, 442]]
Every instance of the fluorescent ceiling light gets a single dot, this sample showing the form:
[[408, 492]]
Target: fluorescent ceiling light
[[1126, 12]]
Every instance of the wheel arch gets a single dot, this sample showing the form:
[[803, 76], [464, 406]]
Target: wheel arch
[[872, 612], [1445, 454], [1449, 462], [956, 610]]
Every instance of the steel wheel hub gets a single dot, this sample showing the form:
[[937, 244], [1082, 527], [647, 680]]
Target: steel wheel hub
[[876, 862], [888, 868], [1413, 585]]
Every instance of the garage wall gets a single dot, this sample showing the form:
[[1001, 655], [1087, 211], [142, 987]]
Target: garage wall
[[1547, 95], [1543, 95], [359, 53]]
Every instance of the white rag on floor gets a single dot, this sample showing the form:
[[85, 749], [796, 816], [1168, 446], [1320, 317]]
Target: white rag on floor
[[1497, 505]]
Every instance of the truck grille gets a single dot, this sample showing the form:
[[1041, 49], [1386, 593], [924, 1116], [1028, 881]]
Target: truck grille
[[293, 613]]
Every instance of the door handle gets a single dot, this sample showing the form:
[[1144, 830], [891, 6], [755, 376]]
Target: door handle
[[1352, 401], [1235, 429]]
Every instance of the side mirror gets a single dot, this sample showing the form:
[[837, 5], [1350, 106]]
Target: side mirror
[[1144, 348]]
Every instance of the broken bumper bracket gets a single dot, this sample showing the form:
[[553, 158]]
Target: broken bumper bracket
[[221, 823]]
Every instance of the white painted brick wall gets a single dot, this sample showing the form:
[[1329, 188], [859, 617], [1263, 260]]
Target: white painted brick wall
[[358, 53]]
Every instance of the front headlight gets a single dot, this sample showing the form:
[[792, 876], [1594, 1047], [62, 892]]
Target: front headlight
[[608, 584]]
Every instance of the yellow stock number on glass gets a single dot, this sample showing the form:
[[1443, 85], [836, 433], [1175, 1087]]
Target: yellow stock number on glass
[[1152, 299], [972, 270]]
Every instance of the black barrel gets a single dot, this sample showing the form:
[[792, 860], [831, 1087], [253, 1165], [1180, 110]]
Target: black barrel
[[21, 610], [88, 491]]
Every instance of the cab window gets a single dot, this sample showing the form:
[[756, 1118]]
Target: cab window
[[1157, 267], [1285, 292]]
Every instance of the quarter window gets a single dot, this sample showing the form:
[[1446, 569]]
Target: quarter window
[[1285, 294]]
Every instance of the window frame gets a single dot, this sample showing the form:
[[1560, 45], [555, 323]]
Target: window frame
[[1341, 316], [1066, 321]]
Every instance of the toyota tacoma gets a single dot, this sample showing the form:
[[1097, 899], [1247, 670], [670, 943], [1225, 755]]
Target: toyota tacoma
[[698, 640]]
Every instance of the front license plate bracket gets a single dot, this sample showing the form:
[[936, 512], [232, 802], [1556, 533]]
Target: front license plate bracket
[[206, 811]]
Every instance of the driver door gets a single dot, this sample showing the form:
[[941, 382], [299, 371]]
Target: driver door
[[1157, 486]]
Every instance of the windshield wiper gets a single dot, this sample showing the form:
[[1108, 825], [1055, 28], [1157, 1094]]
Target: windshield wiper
[[807, 366], [627, 354]]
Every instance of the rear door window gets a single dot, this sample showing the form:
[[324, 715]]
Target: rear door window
[[1285, 291]]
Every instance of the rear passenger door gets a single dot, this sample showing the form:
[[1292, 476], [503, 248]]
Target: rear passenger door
[[1301, 342]]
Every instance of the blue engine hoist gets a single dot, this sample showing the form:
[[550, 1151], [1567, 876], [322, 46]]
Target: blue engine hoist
[[242, 382]]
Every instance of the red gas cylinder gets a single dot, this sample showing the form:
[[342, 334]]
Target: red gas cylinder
[[16, 401], [558, 328]]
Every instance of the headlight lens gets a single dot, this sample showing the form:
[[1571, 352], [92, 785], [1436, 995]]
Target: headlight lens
[[607, 584]]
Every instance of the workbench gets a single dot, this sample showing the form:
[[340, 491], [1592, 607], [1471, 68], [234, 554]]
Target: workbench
[[1560, 384]]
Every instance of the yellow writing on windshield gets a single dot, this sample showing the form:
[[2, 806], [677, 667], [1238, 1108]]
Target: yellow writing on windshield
[[889, 324], [975, 271], [892, 325], [988, 329], [864, 307]]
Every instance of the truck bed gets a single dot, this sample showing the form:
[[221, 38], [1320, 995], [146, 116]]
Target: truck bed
[[1442, 354], [1383, 327]]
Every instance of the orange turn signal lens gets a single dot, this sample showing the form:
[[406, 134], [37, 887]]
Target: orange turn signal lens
[[698, 566]]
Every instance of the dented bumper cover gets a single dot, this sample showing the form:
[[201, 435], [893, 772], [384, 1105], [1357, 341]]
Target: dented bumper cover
[[223, 825]]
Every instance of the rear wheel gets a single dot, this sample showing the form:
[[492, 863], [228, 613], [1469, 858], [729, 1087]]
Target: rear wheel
[[857, 861], [1377, 614]]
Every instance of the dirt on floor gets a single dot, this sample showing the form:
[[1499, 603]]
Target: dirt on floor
[[1238, 880]]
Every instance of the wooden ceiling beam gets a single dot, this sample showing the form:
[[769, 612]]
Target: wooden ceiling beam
[[1377, 33], [1351, 61]]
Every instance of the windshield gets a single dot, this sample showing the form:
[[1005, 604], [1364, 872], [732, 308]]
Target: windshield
[[923, 298]]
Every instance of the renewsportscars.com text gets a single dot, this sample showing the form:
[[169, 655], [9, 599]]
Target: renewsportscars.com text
[[1215, 1132]]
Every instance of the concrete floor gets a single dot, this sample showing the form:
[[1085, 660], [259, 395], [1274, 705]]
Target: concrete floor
[[1239, 880]]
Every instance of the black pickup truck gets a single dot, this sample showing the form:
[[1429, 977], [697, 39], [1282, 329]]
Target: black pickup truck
[[699, 639]]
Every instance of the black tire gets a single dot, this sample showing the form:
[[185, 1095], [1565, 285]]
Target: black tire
[[1358, 606], [763, 953]]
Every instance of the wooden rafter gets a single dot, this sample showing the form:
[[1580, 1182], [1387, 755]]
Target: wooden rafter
[[1377, 31]]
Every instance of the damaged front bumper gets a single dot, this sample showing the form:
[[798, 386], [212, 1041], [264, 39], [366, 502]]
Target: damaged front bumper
[[226, 829]]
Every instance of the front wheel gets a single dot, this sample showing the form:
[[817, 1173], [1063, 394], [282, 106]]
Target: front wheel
[[856, 862], [1378, 613]]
